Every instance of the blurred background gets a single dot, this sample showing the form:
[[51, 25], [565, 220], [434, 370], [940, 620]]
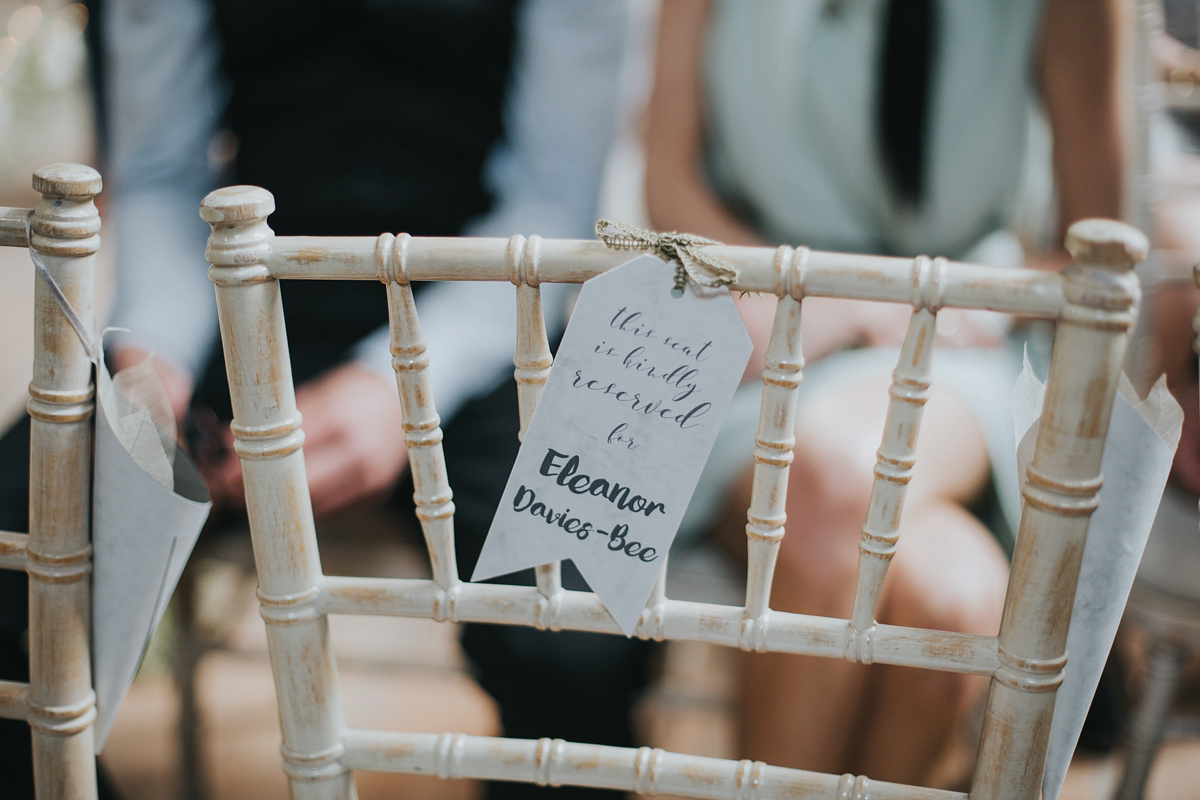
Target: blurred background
[[222, 741]]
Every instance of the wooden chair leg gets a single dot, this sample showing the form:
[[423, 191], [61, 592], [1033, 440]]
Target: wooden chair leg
[[1163, 666], [189, 647]]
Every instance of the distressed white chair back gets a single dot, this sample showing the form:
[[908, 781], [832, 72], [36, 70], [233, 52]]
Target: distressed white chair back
[[58, 701], [1092, 301]]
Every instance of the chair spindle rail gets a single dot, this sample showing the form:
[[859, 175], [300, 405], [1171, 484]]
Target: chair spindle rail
[[783, 365], [783, 631], [531, 360], [897, 453], [432, 495]]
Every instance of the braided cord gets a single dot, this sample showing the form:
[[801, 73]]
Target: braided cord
[[684, 250]]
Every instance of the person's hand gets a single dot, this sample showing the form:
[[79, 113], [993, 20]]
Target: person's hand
[[971, 327], [1176, 63], [1170, 309], [885, 325], [878, 324], [832, 324], [354, 447], [1185, 470], [177, 382]]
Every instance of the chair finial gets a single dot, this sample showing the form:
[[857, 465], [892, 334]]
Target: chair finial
[[67, 180], [1107, 243], [236, 204]]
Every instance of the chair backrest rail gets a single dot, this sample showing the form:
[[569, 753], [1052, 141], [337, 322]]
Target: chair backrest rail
[[553, 762], [1026, 292], [13, 227], [672, 619], [12, 550], [14, 699]]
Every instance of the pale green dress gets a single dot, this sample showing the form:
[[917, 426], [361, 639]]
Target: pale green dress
[[791, 92]]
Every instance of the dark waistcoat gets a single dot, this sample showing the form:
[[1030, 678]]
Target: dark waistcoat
[[362, 116]]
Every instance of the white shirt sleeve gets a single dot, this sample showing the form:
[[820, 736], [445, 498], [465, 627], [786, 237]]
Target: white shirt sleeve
[[560, 119], [164, 97]]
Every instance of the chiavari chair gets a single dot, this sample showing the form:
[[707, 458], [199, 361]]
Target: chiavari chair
[[1093, 303]]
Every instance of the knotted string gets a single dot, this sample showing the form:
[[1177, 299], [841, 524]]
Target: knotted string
[[85, 338], [684, 250]]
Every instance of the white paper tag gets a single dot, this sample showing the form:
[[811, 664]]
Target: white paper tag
[[631, 408]]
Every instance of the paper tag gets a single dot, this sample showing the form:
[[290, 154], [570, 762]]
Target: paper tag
[[631, 408]]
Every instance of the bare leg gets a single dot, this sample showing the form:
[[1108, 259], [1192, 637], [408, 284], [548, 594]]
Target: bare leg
[[822, 713], [949, 574]]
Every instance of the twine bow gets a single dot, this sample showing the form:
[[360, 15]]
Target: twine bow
[[684, 250]]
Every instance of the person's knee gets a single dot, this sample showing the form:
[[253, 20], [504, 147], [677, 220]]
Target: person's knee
[[952, 692], [963, 598], [828, 492]]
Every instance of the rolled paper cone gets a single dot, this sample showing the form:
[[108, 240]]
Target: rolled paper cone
[[143, 533], [1142, 437]]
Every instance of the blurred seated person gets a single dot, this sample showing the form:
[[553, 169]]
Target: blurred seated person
[[894, 128], [1172, 308], [405, 115], [1172, 299]]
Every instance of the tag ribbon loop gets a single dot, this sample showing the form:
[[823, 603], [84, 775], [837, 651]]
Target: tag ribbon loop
[[684, 250]]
